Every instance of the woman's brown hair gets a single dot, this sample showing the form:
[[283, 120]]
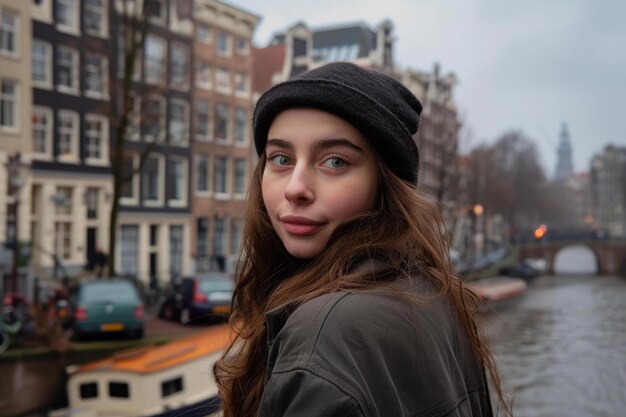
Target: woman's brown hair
[[404, 231]]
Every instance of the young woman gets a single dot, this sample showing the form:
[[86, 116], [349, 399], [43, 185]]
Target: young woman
[[345, 302]]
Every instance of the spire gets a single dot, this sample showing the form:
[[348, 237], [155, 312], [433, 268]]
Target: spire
[[564, 166]]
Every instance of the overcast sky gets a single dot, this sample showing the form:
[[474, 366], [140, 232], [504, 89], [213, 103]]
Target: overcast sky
[[527, 65]]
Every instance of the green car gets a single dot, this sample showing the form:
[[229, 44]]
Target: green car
[[107, 306]]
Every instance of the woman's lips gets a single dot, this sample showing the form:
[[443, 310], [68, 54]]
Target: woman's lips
[[302, 226]]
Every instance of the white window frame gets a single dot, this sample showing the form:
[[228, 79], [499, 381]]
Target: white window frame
[[222, 195], [204, 74], [223, 83], [47, 130], [104, 139], [47, 63], [178, 84], [133, 130], [182, 201], [15, 99], [242, 79], [162, 19], [240, 195], [126, 256], [72, 155], [148, 64], [74, 25], [121, 60], [243, 141], [104, 76], [61, 237], [228, 51], [226, 138], [162, 119], [208, 39], [246, 49], [104, 22], [209, 134], [74, 76], [14, 30], [183, 140], [158, 202], [134, 182], [208, 191]]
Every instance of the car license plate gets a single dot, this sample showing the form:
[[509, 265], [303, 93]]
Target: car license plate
[[221, 309], [112, 327]]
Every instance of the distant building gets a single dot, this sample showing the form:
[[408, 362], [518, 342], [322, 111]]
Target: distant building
[[221, 139], [564, 165], [608, 186]]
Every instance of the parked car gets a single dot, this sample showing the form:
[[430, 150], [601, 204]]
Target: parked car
[[204, 296], [106, 306]]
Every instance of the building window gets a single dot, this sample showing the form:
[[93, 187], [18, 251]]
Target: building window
[[241, 84], [154, 234], [134, 117], [242, 46], [202, 119], [156, 54], [122, 47], [42, 130], [221, 122], [171, 386], [91, 201], [119, 390], [67, 69], [203, 75], [8, 105], [67, 146], [179, 122], [66, 15], [204, 34], [235, 239], [63, 239], [222, 81], [241, 117], [150, 179], [219, 234], [63, 201], [89, 390], [156, 11], [8, 32], [129, 250], [176, 250], [223, 44], [94, 19], [240, 176], [221, 175], [153, 118], [128, 187], [96, 138], [95, 75], [41, 72], [179, 66], [202, 173], [177, 179], [202, 238]]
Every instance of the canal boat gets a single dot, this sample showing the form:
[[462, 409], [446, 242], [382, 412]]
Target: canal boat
[[498, 289], [173, 379]]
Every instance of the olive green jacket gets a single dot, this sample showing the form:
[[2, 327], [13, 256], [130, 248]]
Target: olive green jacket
[[371, 354]]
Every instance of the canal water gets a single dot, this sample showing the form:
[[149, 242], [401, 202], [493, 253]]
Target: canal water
[[561, 347]]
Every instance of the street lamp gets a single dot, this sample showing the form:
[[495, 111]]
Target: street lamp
[[16, 171]]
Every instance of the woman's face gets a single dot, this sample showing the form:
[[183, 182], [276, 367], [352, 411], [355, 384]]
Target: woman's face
[[320, 172]]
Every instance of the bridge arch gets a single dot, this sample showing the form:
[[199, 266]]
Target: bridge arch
[[576, 259]]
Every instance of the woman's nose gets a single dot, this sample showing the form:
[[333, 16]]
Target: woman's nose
[[299, 189]]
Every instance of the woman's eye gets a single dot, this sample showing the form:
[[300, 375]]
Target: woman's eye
[[335, 163], [280, 160]]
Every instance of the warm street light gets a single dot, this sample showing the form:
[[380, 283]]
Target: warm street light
[[478, 209], [16, 171]]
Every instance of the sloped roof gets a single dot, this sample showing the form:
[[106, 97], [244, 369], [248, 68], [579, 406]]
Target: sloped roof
[[343, 43]]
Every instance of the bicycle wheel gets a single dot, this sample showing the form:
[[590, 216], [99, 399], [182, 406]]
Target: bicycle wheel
[[4, 340]]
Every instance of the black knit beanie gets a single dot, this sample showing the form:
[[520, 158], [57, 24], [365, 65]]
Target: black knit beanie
[[380, 107]]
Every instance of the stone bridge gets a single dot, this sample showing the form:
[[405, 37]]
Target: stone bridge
[[610, 254]]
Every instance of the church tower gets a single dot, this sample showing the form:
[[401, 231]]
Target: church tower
[[564, 166]]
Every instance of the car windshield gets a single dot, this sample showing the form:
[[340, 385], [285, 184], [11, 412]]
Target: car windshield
[[108, 292], [213, 285]]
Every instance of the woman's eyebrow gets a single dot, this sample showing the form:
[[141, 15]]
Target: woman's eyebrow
[[281, 143], [330, 143]]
